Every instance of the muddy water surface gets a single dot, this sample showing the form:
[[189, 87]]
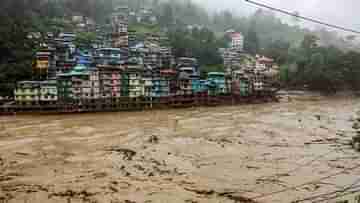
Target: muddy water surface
[[278, 152]]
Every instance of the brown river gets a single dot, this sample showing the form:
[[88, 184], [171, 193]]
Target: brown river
[[293, 151]]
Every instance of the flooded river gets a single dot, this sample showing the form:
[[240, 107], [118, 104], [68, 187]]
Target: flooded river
[[278, 152]]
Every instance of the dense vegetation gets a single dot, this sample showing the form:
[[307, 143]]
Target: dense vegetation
[[320, 59]]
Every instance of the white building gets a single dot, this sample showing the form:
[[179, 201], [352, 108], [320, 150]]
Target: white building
[[237, 41]]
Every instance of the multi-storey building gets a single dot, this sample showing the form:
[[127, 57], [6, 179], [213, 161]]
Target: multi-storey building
[[64, 59], [119, 21], [48, 92], [237, 41], [217, 83], [45, 65], [36, 92], [27, 93], [110, 80], [136, 84], [147, 81], [79, 84], [241, 83]]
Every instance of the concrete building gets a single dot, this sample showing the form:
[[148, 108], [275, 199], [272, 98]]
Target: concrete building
[[76, 85], [27, 93], [217, 83], [110, 81], [237, 41], [136, 84], [119, 22], [48, 92]]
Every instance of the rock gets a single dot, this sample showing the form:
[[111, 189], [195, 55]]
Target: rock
[[318, 117]]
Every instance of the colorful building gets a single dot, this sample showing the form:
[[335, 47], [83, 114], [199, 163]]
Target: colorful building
[[110, 81], [111, 56], [217, 83], [136, 84], [45, 64], [48, 92], [237, 41], [76, 85], [27, 93]]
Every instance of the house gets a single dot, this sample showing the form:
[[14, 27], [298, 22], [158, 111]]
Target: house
[[188, 62], [48, 92], [27, 93], [163, 82], [64, 58], [237, 41], [147, 82], [136, 83], [83, 57], [36, 92], [241, 84], [217, 83], [119, 24], [77, 85], [45, 64], [184, 83], [263, 63], [111, 56], [169, 74], [110, 81]]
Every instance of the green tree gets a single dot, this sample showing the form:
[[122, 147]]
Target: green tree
[[278, 50], [17, 49], [251, 42], [85, 39], [167, 17]]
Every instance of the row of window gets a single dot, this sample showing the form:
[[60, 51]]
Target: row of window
[[33, 97]]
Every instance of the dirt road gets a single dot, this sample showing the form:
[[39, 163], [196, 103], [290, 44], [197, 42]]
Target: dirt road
[[278, 152]]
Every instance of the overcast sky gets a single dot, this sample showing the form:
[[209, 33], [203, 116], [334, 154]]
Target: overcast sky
[[340, 12]]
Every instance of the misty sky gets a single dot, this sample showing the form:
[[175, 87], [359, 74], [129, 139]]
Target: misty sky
[[340, 12]]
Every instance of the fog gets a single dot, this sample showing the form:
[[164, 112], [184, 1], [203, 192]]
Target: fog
[[338, 12]]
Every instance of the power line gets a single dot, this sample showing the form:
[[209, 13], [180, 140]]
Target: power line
[[303, 17]]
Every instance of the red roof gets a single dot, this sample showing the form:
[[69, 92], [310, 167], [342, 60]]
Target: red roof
[[236, 35]]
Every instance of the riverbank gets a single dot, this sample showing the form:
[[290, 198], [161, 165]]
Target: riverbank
[[135, 104], [272, 152]]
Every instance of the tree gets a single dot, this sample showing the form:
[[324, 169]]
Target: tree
[[309, 43], [278, 50], [251, 42], [17, 50], [85, 39], [167, 18]]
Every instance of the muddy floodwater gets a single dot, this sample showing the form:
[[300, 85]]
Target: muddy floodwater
[[276, 152]]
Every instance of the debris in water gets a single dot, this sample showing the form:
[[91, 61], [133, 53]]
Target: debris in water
[[128, 153], [153, 139]]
